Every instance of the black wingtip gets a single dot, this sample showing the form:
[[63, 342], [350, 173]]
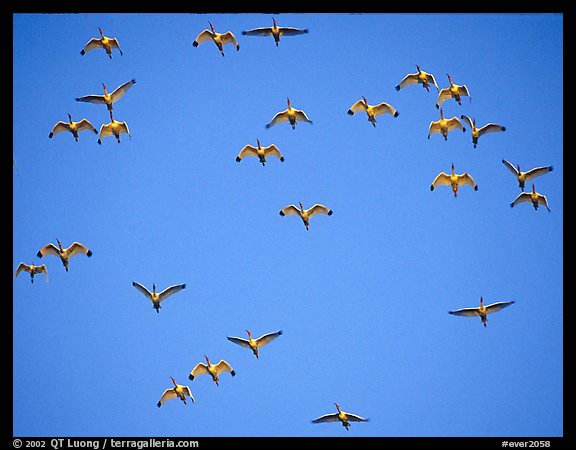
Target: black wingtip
[[267, 126], [431, 188], [89, 253], [306, 30], [243, 32], [82, 52], [133, 80], [476, 187], [233, 373], [99, 141], [397, 88], [437, 106], [551, 169], [39, 255], [50, 135], [396, 114], [195, 44], [503, 128], [350, 112], [77, 99], [282, 159], [190, 377], [330, 212], [159, 404], [280, 332], [184, 286], [238, 159], [282, 214]]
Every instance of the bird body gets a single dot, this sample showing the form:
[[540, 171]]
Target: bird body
[[72, 127], [214, 370], [103, 42], [340, 416], [481, 311], [32, 270], [306, 214], [178, 391], [64, 253], [220, 39], [523, 177], [372, 110], [255, 344], [454, 91], [275, 31], [419, 77], [534, 197], [289, 115], [477, 132], [157, 297], [454, 180], [113, 128], [443, 125], [108, 98], [260, 152]]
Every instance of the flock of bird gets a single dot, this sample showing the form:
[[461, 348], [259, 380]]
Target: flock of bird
[[291, 115]]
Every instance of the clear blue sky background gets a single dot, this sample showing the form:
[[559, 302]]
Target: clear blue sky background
[[362, 297]]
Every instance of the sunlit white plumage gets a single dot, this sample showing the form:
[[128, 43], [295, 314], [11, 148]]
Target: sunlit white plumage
[[255, 344], [214, 370], [64, 253], [178, 391], [157, 297], [305, 214], [103, 42], [443, 126], [32, 270], [340, 416], [220, 39], [523, 177], [108, 99], [275, 31], [454, 91], [454, 180], [424, 78], [372, 110], [481, 311], [113, 128], [291, 115], [260, 152], [72, 127], [533, 197], [478, 132]]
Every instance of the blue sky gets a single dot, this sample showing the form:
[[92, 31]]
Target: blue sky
[[362, 297]]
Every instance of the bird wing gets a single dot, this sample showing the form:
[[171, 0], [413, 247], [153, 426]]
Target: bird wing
[[85, 124], [443, 95], [433, 128], [48, 249], [77, 248], [264, 31], [170, 290], [319, 209], [360, 105], [59, 127], [223, 366], [168, 394], [465, 312], [92, 99], [543, 201], [278, 118], [536, 172], [327, 418], [119, 92], [301, 115], [510, 167], [432, 80], [408, 80], [468, 120], [44, 269], [272, 150], [123, 126], [188, 392], [248, 150], [441, 179], [229, 38], [239, 341], [205, 35], [142, 289], [523, 197], [106, 130], [91, 45], [497, 306], [267, 338], [115, 44], [454, 123], [290, 31], [200, 369], [466, 178], [463, 90], [20, 268], [290, 209], [490, 128], [355, 418], [384, 108]]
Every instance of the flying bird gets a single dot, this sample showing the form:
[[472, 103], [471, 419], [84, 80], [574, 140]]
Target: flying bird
[[289, 115], [306, 214], [419, 77], [64, 253], [103, 42], [214, 370], [340, 416], [523, 177], [32, 270], [255, 344], [72, 127], [260, 152], [178, 391], [157, 297], [275, 31], [534, 197], [443, 126], [108, 99], [220, 39], [481, 311], [454, 91], [454, 180], [372, 110], [477, 132], [113, 128]]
